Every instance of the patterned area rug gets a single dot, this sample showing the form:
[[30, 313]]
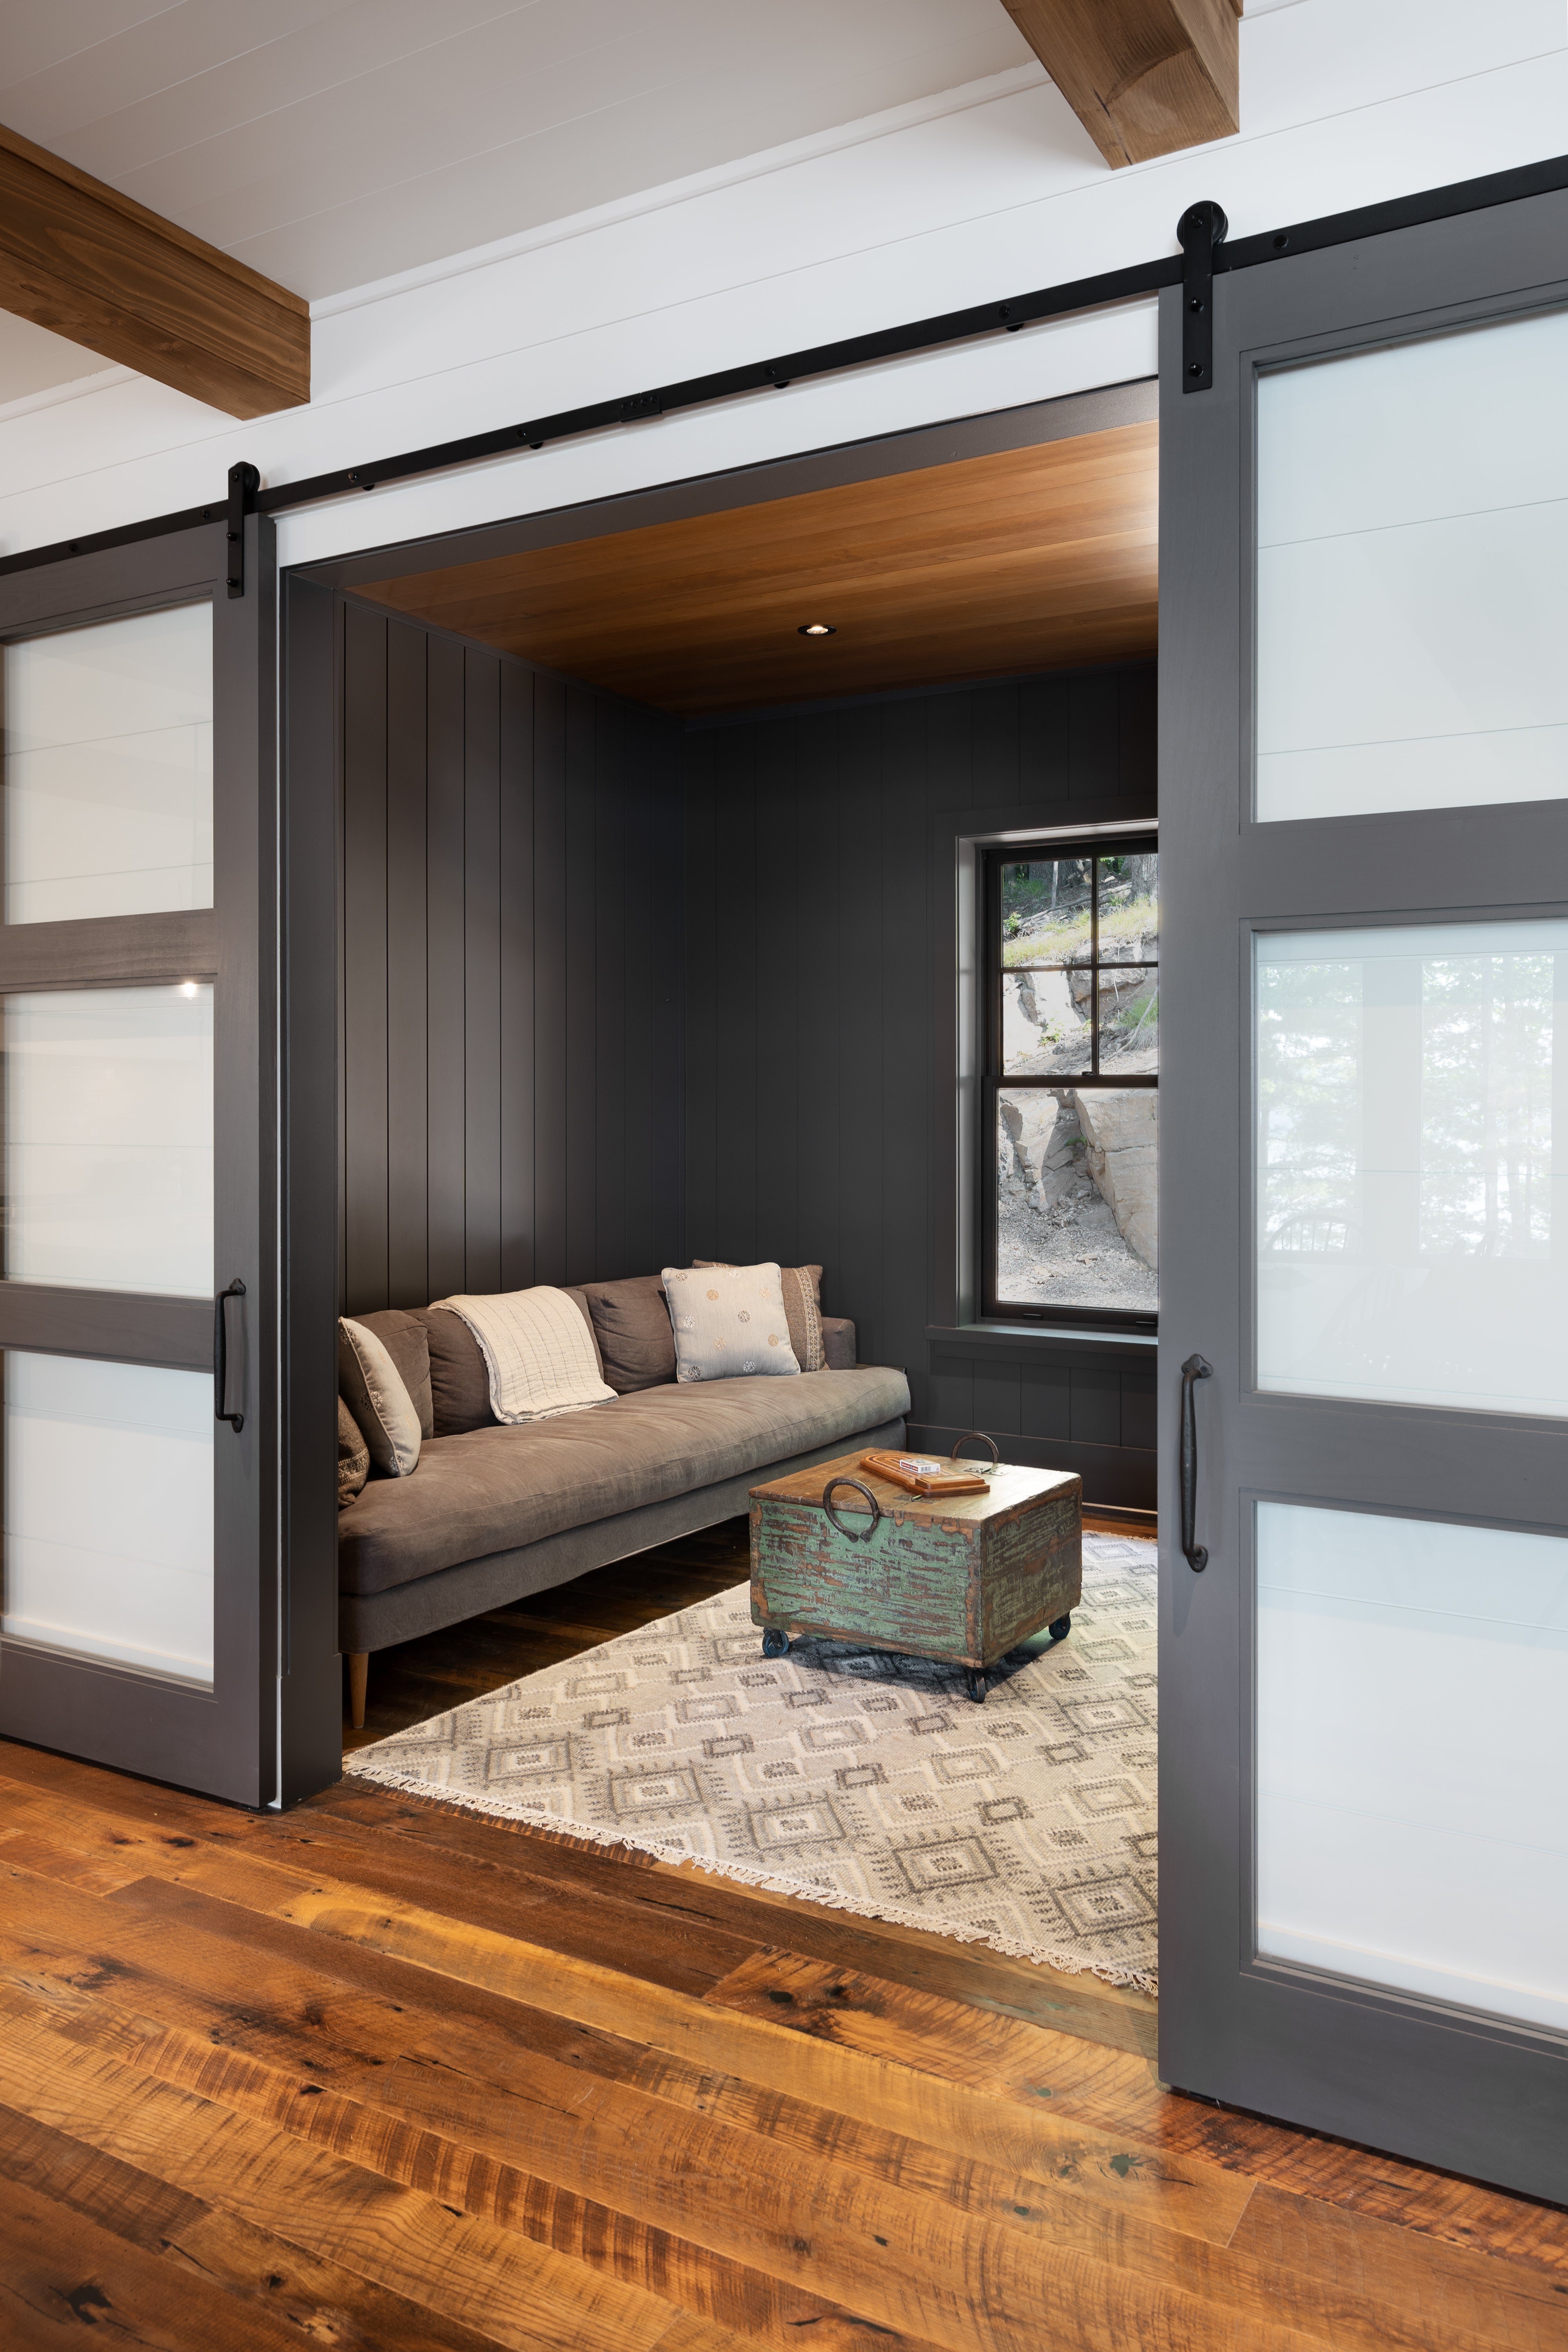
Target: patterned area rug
[[863, 1780]]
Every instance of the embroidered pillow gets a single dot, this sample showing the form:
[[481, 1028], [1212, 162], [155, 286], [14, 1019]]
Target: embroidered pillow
[[803, 1305], [387, 1416], [729, 1320]]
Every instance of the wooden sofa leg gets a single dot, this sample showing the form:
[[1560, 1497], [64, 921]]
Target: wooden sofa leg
[[359, 1670]]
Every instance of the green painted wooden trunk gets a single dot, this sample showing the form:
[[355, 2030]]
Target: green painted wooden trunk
[[964, 1579]]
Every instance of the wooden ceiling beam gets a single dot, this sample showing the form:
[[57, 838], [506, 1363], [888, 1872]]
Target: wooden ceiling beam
[[83, 260], [1145, 76]]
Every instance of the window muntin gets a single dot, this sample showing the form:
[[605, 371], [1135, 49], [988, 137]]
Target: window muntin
[[1072, 1072]]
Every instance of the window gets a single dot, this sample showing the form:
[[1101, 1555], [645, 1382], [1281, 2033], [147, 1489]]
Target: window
[[1072, 1081]]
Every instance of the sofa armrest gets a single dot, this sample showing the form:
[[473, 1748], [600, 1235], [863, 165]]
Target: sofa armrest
[[838, 1343]]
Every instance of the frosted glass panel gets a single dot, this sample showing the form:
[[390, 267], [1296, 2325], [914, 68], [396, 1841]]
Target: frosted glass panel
[[108, 768], [1412, 1179], [108, 1137], [1412, 575], [109, 1512], [1411, 1755]]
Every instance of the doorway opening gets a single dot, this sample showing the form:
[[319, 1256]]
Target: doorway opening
[[664, 833]]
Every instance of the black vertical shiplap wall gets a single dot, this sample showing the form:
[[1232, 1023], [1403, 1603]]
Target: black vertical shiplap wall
[[811, 1019], [512, 1040]]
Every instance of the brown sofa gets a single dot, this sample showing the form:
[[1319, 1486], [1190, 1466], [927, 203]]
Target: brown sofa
[[493, 1513]]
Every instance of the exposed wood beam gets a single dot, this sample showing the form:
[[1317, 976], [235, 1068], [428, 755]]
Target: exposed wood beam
[[1144, 77], [82, 260]]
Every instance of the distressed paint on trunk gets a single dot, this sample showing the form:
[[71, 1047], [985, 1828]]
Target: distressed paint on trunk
[[963, 1581]]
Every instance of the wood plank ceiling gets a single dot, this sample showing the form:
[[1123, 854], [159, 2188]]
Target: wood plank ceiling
[[1031, 559]]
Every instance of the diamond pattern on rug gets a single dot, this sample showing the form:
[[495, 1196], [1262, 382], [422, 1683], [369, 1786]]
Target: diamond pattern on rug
[[852, 1776]]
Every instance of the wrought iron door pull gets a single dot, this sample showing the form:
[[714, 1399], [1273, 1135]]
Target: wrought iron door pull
[[228, 1366], [1193, 1371]]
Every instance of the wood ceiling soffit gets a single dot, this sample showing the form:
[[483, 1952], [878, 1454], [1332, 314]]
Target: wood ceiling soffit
[[1145, 77], [88, 263], [1032, 559]]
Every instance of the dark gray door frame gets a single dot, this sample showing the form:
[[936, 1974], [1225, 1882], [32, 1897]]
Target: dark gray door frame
[[1443, 2085]]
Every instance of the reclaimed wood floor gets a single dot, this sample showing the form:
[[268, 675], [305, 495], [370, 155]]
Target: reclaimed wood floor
[[380, 2074]]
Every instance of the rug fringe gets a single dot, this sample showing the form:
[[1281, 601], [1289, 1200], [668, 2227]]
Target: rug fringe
[[894, 1914]]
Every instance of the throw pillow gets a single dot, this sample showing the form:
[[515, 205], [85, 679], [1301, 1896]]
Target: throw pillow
[[728, 1320], [354, 1457], [404, 1337], [631, 1323], [460, 1383], [377, 1399], [539, 1352], [802, 1288]]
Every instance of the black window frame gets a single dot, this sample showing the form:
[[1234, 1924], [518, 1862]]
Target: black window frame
[[1035, 849]]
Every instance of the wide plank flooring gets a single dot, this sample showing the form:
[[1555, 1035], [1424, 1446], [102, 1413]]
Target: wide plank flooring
[[381, 2073]]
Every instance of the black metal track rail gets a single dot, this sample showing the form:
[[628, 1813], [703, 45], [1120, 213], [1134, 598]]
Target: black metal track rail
[[950, 327]]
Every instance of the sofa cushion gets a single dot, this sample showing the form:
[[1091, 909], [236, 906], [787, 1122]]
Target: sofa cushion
[[494, 1489], [730, 1319], [405, 1338], [581, 1298], [370, 1386], [802, 1288], [636, 1345], [459, 1381], [538, 1352], [838, 1343]]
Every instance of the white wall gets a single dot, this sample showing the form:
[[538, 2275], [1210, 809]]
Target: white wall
[[990, 191]]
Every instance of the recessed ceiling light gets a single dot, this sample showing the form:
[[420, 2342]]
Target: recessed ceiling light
[[816, 629]]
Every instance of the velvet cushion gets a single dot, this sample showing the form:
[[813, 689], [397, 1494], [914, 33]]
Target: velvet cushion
[[802, 1288], [368, 1380], [404, 1337], [354, 1457], [637, 1346]]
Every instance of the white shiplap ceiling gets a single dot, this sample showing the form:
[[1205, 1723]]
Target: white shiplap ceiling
[[331, 142]]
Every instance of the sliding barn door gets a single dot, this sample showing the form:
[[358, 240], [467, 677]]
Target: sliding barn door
[[139, 1439], [1364, 1225]]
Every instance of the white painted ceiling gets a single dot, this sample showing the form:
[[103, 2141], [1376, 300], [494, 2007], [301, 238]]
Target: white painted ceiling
[[329, 142]]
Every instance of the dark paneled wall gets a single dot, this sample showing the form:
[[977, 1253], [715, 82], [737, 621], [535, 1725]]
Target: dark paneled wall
[[510, 997], [811, 1020]]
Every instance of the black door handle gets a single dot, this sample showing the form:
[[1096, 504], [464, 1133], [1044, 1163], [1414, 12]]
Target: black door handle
[[1193, 1371], [228, 1357]]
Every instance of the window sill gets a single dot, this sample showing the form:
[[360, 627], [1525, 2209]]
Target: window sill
[[1024, 1339]]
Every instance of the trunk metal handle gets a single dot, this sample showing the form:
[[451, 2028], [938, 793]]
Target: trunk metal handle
[[994, 1462], [228, 1357], [1193, 1371], [852, 1535]]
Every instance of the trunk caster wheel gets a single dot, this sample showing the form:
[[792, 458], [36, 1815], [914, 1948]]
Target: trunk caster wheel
[[977, 1686], [1061, 1627], [776, 1642]]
